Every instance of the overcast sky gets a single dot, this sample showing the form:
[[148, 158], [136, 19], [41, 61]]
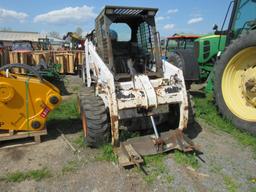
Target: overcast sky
[[174, 16]]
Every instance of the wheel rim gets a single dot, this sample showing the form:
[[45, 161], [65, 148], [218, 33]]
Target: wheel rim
[[84, 123], [239, 84]]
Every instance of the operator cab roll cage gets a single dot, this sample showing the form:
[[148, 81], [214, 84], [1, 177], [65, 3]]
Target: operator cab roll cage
[[139, 55]]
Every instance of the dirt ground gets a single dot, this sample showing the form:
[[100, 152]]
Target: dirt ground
[[225, 165]]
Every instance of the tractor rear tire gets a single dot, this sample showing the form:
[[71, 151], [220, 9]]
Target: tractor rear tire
[[95, 119], [236, 65], [178, 61]]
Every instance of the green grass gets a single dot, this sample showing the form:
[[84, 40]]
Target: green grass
[[66, 110], [71, 166], [169, 178], [65, 116], [205, 109], [79, 140], [231, 185], [156, 167], [186, 159], [154, 164], [19, 176], [107, 154]]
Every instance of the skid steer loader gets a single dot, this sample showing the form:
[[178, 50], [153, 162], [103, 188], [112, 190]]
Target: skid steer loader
[[130, 87]]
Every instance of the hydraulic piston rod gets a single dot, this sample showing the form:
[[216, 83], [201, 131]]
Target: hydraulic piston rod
[[154, 126]]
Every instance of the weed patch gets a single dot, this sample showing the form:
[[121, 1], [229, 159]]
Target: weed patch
[[156, 168], [19, 176], [71, 166], [79, 140], [231, 185], [66, 110], [205, 109], [186, 159], [107, 154]]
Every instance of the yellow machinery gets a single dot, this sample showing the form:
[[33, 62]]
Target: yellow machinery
[[25, 100]]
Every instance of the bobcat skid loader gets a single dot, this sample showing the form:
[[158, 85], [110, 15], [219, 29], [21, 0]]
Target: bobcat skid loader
[[130, 87]]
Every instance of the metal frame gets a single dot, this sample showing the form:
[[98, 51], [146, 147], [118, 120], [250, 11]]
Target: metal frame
[[139, 92]]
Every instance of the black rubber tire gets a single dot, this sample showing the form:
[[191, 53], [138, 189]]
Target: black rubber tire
[[93, 112], [177, 60], [247, 39]]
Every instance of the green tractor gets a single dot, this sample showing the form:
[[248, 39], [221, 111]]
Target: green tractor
[[206, 51], [179, 50], [228, 61]]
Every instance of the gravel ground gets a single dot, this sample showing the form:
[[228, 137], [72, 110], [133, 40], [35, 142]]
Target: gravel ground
[[225, 165]]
